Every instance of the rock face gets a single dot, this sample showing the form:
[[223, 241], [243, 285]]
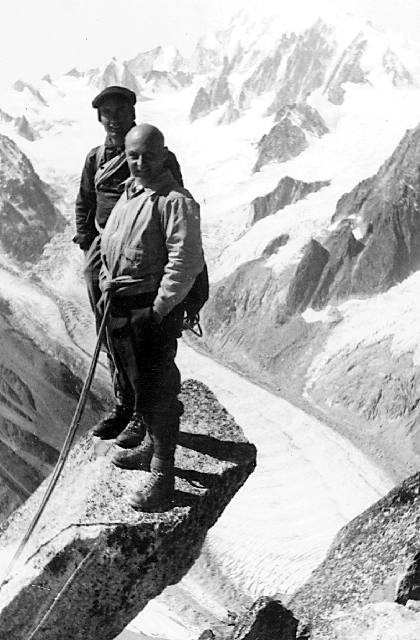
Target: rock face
[[267, 619], [266, 74], [28, 218], [399, 74], [230, 114], [306, 65], [156, 81], [365, 563], [347, 69], [383, 212], [93, 554], [202, 105], [381, 621], [22, 86], [287, 192], [288, 137], [213, 96]]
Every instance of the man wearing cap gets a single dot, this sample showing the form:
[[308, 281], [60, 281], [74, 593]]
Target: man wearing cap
[[101, 185], [151, 255]]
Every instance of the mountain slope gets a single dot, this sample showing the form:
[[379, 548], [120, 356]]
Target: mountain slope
[[28, 218]]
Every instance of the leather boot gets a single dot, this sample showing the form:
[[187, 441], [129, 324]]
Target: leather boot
[[134, 433], [157, 494], [113, 423], [137, 457]]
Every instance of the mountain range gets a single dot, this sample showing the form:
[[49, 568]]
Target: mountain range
[[302, 145]]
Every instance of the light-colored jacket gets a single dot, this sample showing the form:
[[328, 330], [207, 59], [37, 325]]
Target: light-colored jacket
[[152, 242]]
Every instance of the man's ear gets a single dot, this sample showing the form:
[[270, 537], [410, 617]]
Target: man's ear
[[165, 152]]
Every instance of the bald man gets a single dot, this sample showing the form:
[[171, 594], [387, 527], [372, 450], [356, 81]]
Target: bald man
[[151, 254]]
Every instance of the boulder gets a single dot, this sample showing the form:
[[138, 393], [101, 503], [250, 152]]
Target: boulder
[[267, 619], [92, 562]]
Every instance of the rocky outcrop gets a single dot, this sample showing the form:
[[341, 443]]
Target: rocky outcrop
[[93, 554], [288, 137], [286, 192], [24, 129], [306, 66], [265, 75], [215, 94], [230, 114], [202, 105], [21, 125], [274, 245], [115, 73], [156, 81], [284, 142], [365, 562], [347, 69], [28, 218], [159, 58], [21, 86], [376, 242], [305, 281], [381, 621], [267, 619], [324, 272], [74, 73], [398, 72]]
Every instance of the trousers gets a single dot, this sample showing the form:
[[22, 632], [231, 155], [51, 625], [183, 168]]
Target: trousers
[[144, 353], [91, 270]]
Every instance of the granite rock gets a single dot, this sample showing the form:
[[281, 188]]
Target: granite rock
[[94, 555]]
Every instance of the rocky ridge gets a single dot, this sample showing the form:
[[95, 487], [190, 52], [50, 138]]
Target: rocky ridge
[[286, 192], [375, 242], [288, 138]]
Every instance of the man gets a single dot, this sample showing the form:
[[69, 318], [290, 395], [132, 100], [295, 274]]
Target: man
[[152, 253], [102, 183]]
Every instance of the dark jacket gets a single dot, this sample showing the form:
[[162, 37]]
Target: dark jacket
[[96, 204]]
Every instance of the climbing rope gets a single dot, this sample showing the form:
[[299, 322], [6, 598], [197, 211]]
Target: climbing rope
[[65, 449]]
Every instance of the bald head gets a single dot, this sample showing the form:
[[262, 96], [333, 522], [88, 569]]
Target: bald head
[[146, 152]]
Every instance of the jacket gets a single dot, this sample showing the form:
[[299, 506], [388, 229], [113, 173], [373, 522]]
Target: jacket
[[95, 203], [152, 242]]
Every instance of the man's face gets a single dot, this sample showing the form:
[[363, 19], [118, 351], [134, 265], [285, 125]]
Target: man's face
[[117, 116], [146, 157]]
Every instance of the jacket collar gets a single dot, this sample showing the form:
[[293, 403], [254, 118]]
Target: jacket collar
[[161, 184]]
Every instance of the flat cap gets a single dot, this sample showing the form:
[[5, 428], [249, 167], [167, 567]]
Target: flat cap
[[114, 92]]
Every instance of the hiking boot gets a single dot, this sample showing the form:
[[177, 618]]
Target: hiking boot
[[114, 423], [157, 494], [133, 434], [136, 458]]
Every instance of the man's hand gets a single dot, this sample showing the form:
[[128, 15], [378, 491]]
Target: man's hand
[[144, 316], [84, 241]]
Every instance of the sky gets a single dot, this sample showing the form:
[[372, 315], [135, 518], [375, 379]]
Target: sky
[[51, 36]]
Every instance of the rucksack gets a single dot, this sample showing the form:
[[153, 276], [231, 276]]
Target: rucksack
[[194, 301], [195, 298]]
